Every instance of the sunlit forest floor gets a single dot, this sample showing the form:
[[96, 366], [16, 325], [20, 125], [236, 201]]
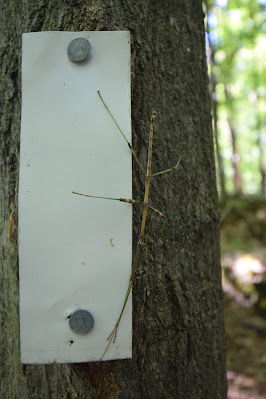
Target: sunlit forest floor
[[243, 239]]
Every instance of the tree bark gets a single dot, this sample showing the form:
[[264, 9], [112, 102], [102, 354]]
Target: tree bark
[[262, 154], [214, 102], [219, 158], [178, 330], [237, 178]]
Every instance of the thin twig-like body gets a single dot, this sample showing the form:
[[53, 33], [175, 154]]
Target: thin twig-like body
[[146, 196], [170, 169], [129, 201], [128, 143], [112, 336], [146, 206]]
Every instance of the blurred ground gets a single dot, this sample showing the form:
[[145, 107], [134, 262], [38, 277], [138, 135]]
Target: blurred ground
[[243, 239], [246, 352]]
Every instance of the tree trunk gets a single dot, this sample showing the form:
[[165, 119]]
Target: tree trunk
[[238, 182], [219, 157], [262, 154], [237, 179], [178, 330], [214, 102]]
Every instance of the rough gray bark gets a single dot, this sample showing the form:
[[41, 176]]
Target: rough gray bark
[[178, 339]]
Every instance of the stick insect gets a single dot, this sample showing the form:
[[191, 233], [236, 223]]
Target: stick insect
[[146, 206]]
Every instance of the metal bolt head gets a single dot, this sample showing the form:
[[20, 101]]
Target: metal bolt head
[[81, 322], [78, 49]]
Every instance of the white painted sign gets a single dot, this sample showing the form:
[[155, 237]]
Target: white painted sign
[[74, 252]]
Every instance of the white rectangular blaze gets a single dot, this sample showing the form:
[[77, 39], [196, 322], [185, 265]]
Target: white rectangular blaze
[[74, 252]]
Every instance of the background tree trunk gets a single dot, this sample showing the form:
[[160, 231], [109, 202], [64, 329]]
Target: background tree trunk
[[237, 177], [178, 339], [214, 102], [219, 158]]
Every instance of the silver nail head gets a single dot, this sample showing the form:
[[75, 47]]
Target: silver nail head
[[78, 49], [81, 322]]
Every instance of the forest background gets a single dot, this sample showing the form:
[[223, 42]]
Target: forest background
[[236, 46], [236, 52]]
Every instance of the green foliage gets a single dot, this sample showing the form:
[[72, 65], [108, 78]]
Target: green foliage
[[237, 42]]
